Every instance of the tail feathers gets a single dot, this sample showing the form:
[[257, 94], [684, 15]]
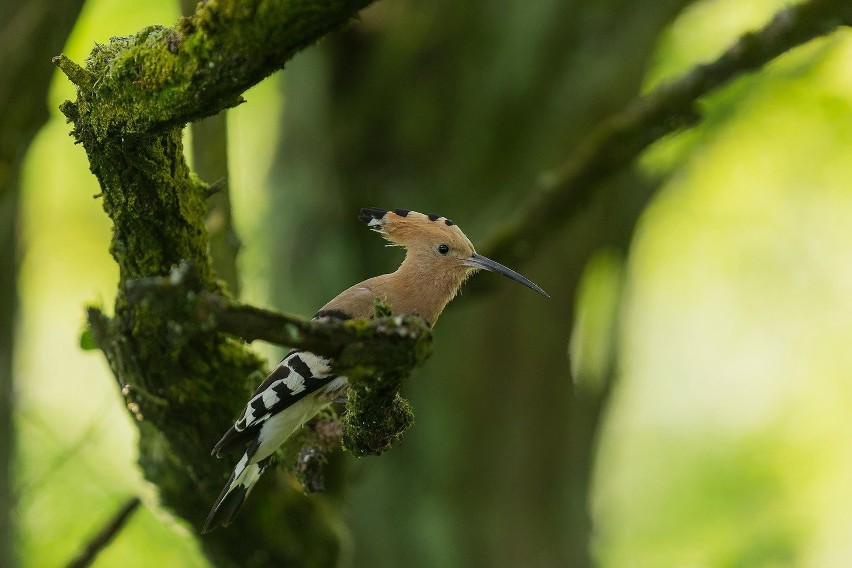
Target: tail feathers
[[234, 493], [227, 506], [232, 440]]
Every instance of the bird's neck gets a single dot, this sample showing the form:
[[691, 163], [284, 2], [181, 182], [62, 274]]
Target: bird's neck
[[416, 287]]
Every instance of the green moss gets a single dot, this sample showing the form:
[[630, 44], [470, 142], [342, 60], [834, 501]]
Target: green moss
[[139, 79], [376, 414], [381, 308], [162, 77], [375, 420]]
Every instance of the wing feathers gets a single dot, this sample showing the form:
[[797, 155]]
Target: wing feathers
[[296, 376], [268, 419]]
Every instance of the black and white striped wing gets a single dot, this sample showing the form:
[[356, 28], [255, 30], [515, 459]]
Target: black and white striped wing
[[299, 374]]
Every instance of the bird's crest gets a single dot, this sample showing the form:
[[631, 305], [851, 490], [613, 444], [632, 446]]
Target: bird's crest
[[407, 228]]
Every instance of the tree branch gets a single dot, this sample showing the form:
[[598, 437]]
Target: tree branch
[[165, 77], [105, 535], [381, 344], [376, 354], [563, 192], [323, 437], [210, 162]]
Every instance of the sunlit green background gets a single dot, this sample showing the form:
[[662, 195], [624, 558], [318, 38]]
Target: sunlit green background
[[728, 441]]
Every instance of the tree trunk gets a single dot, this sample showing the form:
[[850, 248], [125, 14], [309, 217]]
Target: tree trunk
[[454, 108], [184, 383]]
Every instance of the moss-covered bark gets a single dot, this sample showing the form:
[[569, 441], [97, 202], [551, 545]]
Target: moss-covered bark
[[184, 383], [162, 77]]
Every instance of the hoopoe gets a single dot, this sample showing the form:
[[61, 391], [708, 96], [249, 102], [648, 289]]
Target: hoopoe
[[438, 259]]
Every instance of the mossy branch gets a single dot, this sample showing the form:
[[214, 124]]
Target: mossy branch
[[563, 192], [163, 77], [78, 75], [376, 354], [362, 346]]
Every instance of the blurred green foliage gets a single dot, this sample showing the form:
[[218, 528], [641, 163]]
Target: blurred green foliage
[[726, 443], [595, 332]]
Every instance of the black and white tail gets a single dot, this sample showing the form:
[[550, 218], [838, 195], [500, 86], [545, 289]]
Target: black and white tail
[[239, 485]]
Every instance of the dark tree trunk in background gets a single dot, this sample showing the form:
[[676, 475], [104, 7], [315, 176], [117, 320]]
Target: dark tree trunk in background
[[209, 155], [454, 108], [8, 309], [31, 32]]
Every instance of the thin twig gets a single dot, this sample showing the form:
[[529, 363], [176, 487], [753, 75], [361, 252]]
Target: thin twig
[[562, 193], [105, 535]]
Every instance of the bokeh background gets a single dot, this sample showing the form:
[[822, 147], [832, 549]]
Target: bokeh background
[[721, 329]]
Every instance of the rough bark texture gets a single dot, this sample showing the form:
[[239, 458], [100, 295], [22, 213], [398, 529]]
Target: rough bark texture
[[30, 33]]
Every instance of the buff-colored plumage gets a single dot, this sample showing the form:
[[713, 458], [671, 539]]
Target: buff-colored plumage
[[426, 280], [438, 259]]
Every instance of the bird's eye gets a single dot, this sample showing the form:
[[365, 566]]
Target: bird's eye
[[443, 249]]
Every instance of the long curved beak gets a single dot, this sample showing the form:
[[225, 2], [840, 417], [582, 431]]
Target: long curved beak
[[478, 261]]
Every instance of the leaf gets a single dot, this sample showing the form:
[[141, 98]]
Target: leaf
[[87, 340]]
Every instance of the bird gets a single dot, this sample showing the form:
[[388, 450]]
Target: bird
[[438, 259]]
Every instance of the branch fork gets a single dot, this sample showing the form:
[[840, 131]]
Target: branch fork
[[376, 354]]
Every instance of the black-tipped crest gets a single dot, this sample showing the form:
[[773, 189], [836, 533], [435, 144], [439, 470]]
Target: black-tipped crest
[[368, 214]]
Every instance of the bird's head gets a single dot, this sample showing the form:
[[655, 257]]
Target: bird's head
[[435, 243]]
